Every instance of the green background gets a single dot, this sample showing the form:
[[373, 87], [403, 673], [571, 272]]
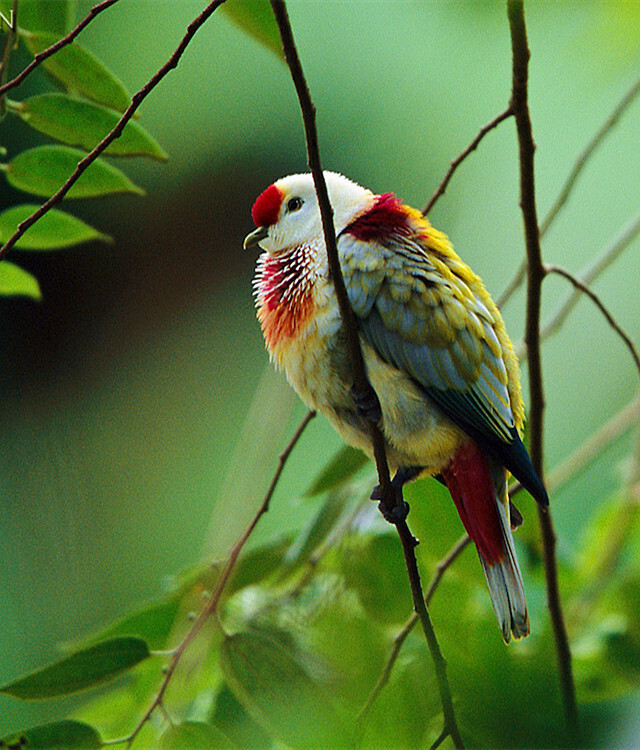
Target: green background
[[126, 453]]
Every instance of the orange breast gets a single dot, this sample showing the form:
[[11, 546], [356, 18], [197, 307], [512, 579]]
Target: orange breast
[[285, 302]]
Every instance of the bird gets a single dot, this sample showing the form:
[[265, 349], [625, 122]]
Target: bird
[[435, 349]]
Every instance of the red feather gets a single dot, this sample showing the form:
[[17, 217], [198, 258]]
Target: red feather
[[286, 303], [468, 478], [266, 209], [387, 217]]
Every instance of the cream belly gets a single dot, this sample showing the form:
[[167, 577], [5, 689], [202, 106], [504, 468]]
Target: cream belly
[[417, 433]]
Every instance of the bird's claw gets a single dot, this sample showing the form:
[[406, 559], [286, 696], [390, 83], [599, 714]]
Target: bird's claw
[[395, 514], [367, 404]]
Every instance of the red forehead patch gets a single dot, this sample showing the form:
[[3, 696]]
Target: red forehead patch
[[266, 209]]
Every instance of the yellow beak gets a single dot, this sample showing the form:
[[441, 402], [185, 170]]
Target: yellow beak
[[255, 237]]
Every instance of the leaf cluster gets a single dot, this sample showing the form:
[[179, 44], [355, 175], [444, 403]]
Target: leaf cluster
[[307, 624], [77, 118]]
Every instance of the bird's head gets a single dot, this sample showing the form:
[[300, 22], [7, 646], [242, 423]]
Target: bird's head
[[287, 214]]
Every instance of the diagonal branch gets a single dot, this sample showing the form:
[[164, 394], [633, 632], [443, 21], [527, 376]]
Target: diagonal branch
[[584, 289], [136, 100], [361, 383], [442, 187], [212, 602], [42, 56], [535, 277], [595, 444]]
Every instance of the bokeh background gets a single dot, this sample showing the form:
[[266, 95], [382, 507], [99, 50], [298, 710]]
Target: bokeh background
[[139, 420]]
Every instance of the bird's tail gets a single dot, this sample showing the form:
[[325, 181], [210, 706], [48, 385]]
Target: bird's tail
[[478, 487]]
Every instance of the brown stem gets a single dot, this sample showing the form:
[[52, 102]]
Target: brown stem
[[136, 100], [579, 164], [535, 277], [579, 285]]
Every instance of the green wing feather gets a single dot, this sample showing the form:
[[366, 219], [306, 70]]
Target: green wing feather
[[421, 317]]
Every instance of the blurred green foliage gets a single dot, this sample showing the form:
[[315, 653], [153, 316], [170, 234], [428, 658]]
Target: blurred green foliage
[[139, 436]]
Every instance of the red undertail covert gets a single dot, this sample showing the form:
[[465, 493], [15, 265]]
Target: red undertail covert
[[468, 478]]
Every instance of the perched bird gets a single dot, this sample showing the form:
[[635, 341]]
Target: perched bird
[[435, 349]]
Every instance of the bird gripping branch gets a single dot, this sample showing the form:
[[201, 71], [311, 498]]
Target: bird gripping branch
[[435, 349]]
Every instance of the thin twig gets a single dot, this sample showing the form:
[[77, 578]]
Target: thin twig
[[587, 277], [136, 100], [361, 383], [67, 39], [403, 634], [617, 538], [584, 289], [213, 601], [535, 277], [442, 187], [571, 180]]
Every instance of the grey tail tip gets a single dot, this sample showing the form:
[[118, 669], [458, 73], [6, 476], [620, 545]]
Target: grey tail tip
[[515, 627]]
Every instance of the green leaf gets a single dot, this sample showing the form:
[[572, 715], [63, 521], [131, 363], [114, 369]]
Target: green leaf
[[256, 18], [78, 122], [16, 282], [53, 16], [84, 669], [61, 735], [55, 230], [340, 469], [80, 72], [44, 169], [270, 681], [193, 735]]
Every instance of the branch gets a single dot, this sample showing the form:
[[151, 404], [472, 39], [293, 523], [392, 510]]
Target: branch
[[390, 499], [584, 289], [9, 45], [136, 100], [571, 180], [212, 603], [42, 56], [398, 641], [535, 277], [441, 189], [307, 108]]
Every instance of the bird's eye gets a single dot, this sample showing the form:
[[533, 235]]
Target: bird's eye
[[295, 204]]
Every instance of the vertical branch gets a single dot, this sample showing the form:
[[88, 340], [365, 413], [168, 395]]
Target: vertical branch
[[535, 277], [390, 499], [350, 326]]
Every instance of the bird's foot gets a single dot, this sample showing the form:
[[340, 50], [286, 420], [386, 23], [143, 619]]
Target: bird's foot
[[367, 403], [395, 514]]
